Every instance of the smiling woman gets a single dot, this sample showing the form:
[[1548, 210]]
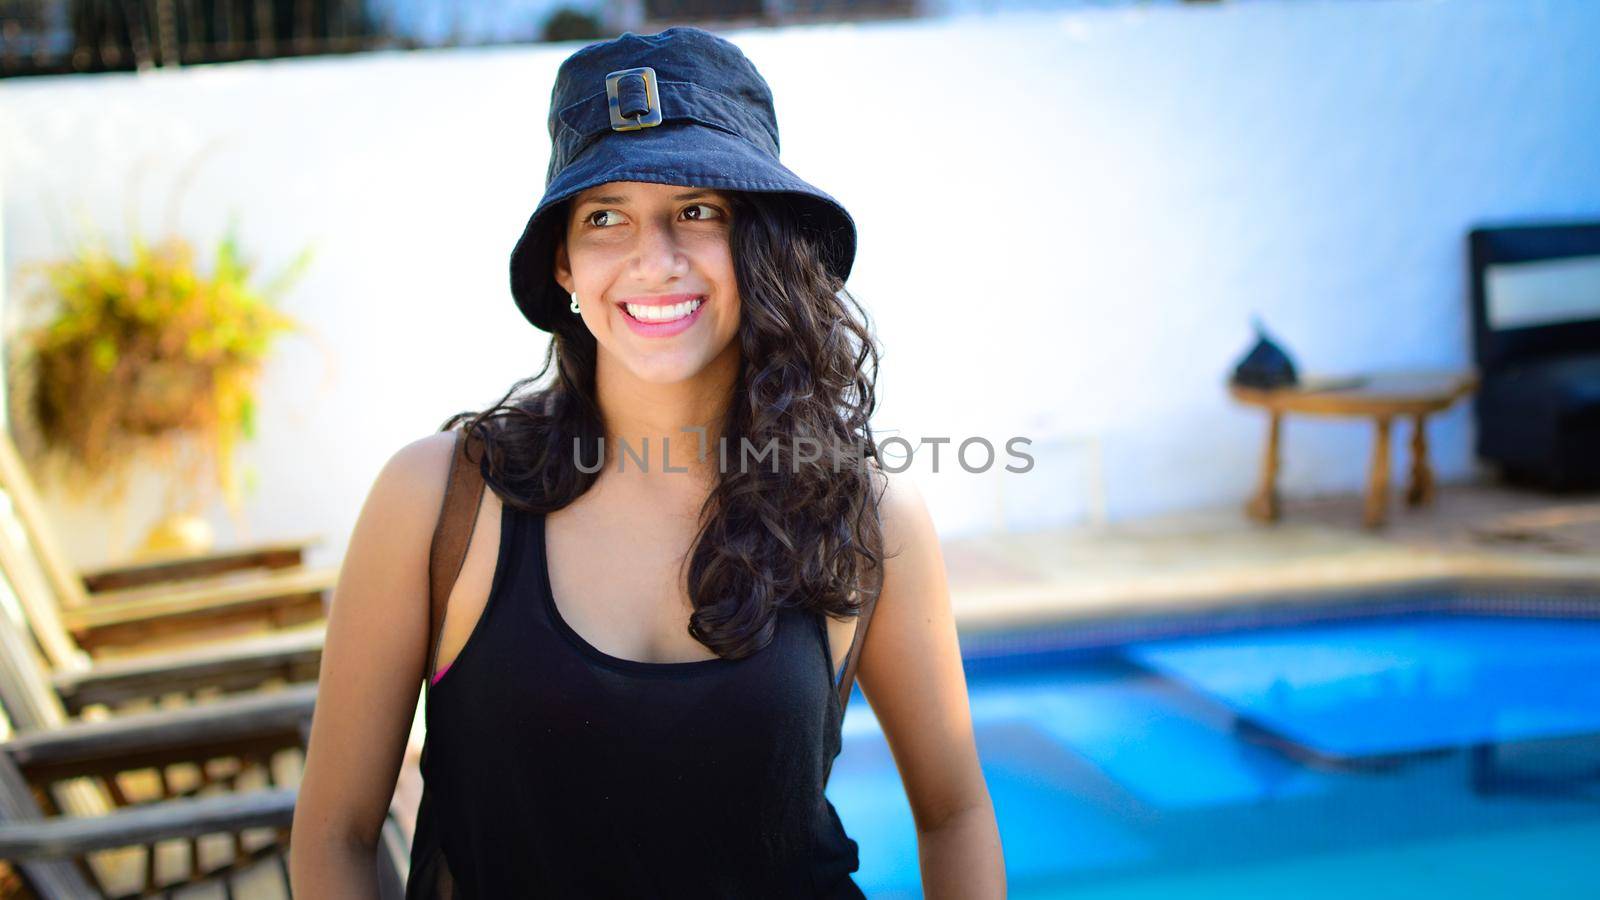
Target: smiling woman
[[622, 239], [638, 685]]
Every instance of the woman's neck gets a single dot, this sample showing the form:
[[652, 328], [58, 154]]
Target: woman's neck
[[660, 432]]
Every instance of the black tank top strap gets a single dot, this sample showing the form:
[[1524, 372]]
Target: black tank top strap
[[853, 655]]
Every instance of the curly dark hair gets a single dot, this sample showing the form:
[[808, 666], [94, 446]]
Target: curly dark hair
[[804, 531]]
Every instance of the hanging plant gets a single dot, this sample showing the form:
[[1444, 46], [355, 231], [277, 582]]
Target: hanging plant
[[139, 357]]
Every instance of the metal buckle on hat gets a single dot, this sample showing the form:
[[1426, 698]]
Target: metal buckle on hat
[[650, 117]]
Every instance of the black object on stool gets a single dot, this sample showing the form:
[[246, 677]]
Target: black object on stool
[[1266, 365]]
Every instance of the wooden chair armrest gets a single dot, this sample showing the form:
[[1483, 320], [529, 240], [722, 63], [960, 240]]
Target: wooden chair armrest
[[168, 601], [230, 666], [70, 836], [238, 724], [270, 555]]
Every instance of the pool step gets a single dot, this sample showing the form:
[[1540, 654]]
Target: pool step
[[1397, 686], [1166, 747]]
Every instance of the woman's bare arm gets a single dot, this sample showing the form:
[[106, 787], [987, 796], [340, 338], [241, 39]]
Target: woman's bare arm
[[910, 672], [370, 677]]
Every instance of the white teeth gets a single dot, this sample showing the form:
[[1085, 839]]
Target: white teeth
[[662, 313]]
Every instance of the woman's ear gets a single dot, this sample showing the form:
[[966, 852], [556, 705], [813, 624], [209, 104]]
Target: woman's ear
[[563, 268]]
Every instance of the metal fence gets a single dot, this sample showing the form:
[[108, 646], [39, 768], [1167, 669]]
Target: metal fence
[[60, 36], [656, 14], [44, 37]]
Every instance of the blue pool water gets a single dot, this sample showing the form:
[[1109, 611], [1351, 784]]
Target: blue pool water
[[1413, 755]]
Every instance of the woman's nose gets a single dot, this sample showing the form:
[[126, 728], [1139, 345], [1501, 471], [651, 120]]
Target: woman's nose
[[657, 255]]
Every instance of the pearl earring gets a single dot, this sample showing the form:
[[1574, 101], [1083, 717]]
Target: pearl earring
[[574, 304]]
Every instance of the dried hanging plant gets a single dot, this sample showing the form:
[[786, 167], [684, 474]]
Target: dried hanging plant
[[143, 356]]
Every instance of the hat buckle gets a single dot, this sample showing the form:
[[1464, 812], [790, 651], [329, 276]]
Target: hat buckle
[[634, 98]]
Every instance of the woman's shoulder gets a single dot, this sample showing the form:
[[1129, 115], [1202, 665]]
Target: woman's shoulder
[[410, 486], [901, 508], [414, 465]]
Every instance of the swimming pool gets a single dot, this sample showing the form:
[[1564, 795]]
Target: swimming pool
[[1410, 744]]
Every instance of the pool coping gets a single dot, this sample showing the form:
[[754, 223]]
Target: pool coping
[[1529, 592]]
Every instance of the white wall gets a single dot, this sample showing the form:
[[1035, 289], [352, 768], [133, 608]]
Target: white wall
[[1066, 220]]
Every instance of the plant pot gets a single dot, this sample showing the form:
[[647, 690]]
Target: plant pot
[[179, 534]]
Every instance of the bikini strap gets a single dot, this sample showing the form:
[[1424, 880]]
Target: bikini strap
[[458, 516]]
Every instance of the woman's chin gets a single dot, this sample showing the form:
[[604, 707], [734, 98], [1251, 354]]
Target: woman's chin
[[686, 358], [667, 367]]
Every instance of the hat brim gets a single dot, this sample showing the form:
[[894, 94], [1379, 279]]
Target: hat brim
[[683, 153]]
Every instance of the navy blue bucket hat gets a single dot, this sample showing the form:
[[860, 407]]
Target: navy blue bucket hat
[[681, 107]]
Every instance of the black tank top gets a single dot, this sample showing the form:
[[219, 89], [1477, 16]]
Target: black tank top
[[553, 769]]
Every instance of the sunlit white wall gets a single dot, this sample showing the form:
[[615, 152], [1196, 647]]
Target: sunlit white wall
[[1066, 220]]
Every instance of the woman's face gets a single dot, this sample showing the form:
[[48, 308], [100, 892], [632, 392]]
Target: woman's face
[[654, 275]]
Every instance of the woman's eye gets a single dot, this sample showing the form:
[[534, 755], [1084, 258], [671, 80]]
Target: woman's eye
[[694, 212], [714, 211]]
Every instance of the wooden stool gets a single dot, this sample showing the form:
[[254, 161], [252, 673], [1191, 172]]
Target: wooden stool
[[1382, 397]]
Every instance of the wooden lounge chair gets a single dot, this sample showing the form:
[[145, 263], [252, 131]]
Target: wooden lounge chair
[[86, 768], [65, 801], [79, 681], [81, 775], [288, 657], [80, 780], [125, 609], [15, 480], [47, 850], [106, 845], [291, 655]]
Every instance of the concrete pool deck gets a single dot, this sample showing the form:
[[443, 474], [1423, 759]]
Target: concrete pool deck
[[1216, 557]]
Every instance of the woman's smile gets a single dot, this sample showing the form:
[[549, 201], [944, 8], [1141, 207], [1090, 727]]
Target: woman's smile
[[662, 315]]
